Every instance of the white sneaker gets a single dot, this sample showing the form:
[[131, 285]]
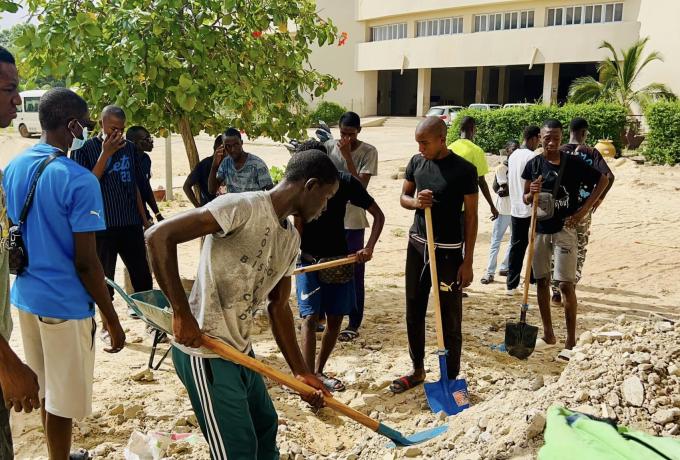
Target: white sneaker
[[510, 292]]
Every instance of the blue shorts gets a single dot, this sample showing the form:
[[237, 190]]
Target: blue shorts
[[313, 295]]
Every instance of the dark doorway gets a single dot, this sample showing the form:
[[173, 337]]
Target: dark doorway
[[450, 86], [470, 87], [524, 84], [397, 92], [569, 73]]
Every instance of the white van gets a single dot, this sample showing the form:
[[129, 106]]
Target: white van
[[27, 122]]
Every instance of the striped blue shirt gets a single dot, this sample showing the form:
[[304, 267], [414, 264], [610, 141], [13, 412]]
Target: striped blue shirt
[[118, 183]]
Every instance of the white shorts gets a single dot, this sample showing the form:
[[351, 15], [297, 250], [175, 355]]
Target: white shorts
[[61, 353]]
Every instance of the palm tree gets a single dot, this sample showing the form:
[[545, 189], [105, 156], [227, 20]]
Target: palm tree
[[618, 75]]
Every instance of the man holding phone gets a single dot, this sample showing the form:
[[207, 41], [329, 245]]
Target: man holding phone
[[236, 169], [438, 179], [114, 161]]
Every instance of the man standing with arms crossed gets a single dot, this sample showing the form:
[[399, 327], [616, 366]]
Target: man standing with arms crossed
[[250, 253], [439, 179], [359, 159]]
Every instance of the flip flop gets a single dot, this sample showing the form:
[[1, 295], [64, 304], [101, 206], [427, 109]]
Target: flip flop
[[543, 345], [331, 383], [565, 354], [404, 383], [348, 335], [501, 348]]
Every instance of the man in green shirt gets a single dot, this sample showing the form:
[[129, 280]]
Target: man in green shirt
[[465, 148], [18, 383]]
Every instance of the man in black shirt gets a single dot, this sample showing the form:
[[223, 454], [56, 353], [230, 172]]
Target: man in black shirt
[[113, 160], [321, 239], [443, 181], [556, 236], [143, 142], [199, 176]]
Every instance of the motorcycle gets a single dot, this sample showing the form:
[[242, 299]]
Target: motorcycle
[[323, 135]]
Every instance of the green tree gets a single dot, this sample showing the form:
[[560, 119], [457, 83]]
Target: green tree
[[618, 79], [185, 65]]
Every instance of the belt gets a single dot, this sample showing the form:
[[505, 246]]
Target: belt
[[422, 240]]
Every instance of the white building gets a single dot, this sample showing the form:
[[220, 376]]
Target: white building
[[403, 56]]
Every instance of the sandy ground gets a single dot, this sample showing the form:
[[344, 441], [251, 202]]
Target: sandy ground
[[632, 258]]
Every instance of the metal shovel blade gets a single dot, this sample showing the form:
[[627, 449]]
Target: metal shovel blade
[[399, 439], [449, 396], [520, 339]]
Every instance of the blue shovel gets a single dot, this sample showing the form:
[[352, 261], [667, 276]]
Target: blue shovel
[[450, 396]]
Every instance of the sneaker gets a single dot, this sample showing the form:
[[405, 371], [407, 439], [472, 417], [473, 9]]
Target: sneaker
[[487, 279], [511, 292], [503, 273], [556, 299]]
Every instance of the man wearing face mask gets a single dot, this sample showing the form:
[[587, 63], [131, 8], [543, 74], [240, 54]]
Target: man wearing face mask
[[58, 289], [115, 163]]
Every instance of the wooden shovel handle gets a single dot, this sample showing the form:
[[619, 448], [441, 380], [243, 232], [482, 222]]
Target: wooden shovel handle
[[530, 255], [435, 279], [231, 354], [324, 265]]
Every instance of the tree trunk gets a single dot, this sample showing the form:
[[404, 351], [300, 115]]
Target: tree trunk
[[190, 147], [189, 142]]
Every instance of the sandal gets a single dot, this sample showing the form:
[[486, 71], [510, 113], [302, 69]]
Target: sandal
[[80, 454], [565, 354], [331, 383], [404, 383], [487, 279], [348, 335]]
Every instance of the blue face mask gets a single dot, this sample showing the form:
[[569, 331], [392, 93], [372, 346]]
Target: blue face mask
[[77, 142]]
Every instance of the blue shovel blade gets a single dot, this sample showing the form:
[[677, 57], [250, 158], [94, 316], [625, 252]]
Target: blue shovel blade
[[399, 439], [449, 396]]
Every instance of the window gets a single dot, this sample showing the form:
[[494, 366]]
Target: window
[[442, 26], [504, 21], [388, 32], [588, 14], [31, 104]]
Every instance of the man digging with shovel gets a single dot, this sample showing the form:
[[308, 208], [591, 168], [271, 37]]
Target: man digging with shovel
[[249, 253], [443, 182]]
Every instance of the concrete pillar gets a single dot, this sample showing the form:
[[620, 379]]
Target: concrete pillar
[[479, 88], [424, 90], [502, 85], [370, 102], [551, 79]]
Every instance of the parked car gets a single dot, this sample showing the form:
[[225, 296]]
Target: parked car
[[445, 112], [517, 104], [27, 122], [484, 106]]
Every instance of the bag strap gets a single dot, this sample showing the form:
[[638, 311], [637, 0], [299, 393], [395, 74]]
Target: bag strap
[[558, 181], [34, 185]]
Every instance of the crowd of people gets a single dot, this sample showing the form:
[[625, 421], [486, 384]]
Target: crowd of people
[[82, 201]]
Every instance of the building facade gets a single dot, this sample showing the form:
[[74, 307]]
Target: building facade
[[404, 56]]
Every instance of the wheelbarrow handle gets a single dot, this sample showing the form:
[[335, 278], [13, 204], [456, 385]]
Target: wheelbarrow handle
[[231, 354], [323, 265]]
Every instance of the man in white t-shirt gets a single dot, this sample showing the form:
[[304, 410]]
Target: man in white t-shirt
[[249, 254], [501, 224], [521, 212], [359, 159]]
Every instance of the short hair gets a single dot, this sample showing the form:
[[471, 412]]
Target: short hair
[[311, 144], [135, 132], [113, 111], [350, 120], [578, 124], [467, 123], [311, 164], [6, 56], [531, 132], [511, 143], [552, 123], [58, 106], [219, 140], [232, 132]]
